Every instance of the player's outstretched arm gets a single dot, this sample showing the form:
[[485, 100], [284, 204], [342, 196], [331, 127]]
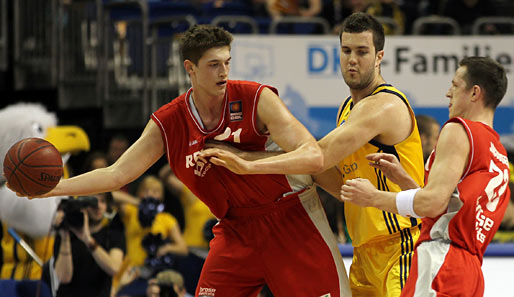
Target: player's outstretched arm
[[450, 161], [134, 162], [287, 132]]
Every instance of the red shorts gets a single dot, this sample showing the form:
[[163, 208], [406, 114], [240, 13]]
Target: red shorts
[[442, 269], [287, 244]]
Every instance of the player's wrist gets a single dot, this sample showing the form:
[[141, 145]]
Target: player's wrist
[[405, 203]]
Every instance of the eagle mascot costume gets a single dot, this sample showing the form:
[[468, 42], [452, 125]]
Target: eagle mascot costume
[[31, 219]]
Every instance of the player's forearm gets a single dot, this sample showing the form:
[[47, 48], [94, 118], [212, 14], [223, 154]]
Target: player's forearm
[[93, 182], [331, 181], [385, 201], [307, 159], [257, 155], [427, 203], [406, 182], [430, 202]]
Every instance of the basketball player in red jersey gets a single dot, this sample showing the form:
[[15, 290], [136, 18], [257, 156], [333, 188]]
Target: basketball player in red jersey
[[466, 193], [272, 228]]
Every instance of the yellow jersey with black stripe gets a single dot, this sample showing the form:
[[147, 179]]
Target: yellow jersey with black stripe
[[15, 263], [367, 224]]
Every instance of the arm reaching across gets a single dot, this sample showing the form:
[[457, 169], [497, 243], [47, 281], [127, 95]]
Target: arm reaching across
[[304, 154], [452, 156]]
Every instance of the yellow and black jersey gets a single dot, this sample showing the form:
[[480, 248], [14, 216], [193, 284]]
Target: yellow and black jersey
[[15, 263], [367, 224]]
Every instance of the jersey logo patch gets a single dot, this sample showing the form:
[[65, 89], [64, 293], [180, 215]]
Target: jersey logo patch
[[236, 111]]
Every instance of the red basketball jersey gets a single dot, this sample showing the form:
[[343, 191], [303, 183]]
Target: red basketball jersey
[[478, 204], [184, 137]]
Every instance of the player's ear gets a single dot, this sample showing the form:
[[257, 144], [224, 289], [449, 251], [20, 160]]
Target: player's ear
[[188, 66], [476, 92], [380, 56]]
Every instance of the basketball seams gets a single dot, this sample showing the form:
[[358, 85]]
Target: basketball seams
[[24, 172], [32, 179]]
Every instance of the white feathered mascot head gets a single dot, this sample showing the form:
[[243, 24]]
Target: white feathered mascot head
[[23, 120]]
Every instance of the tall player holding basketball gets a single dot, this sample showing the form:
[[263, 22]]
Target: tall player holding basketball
[[466, 193], [273, 228]]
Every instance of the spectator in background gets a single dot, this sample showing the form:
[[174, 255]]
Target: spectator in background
[[336, 11], [143, 230], [197, 217], [305, 8], [94, 160], [117, 146], [465, 12], [196, 213], [428, 131], [388, 9], [167, 283], [87, 258]]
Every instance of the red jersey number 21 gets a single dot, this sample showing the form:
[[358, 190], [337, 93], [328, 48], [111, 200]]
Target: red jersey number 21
[[228, 132]]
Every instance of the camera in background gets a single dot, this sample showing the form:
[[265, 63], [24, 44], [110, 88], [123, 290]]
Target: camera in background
[[72, 208]]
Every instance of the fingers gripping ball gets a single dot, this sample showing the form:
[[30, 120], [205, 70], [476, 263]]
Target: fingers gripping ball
[[33, 166]]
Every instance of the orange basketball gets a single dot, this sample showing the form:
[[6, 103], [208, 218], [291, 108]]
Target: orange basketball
[[33, 166]]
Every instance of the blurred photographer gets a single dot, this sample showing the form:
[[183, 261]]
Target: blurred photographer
[[154, 239], [88, 250], [168, 283]]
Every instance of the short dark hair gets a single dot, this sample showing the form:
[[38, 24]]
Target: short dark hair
[[425, 123], [489, 75], [359, 22], [200, 38]]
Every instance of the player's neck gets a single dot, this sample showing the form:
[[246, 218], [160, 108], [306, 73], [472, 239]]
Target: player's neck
[[209, 108], [485, 116], [359, 94]]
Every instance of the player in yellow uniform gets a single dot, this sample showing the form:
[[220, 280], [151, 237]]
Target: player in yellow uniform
[[383, 241], [376, 118]]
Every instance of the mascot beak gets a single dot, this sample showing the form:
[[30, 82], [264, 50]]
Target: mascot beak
[[68, 139]]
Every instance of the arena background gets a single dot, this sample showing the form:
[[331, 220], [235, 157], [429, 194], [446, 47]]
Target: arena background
[[70, 57]]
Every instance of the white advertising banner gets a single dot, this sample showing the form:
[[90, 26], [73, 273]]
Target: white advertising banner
[[306, 71]]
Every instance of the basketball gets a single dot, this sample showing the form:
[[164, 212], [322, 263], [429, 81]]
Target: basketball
[[33, 166]]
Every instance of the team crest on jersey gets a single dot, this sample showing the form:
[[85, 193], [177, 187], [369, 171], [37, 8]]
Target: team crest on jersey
[[236, 111]]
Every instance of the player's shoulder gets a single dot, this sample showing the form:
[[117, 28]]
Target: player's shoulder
[[248, 87], [453, 134]]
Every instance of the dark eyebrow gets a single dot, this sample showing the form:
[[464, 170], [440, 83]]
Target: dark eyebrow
[[216, 60]]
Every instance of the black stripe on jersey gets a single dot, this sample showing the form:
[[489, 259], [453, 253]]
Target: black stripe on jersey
[[394, 93], [343, 107], [386, 221], [402, 260], [382, 186]]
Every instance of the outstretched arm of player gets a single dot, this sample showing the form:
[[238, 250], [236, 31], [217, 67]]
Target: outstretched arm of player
[[452, 156], [287, 132], [245, 155], [134, 162]]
